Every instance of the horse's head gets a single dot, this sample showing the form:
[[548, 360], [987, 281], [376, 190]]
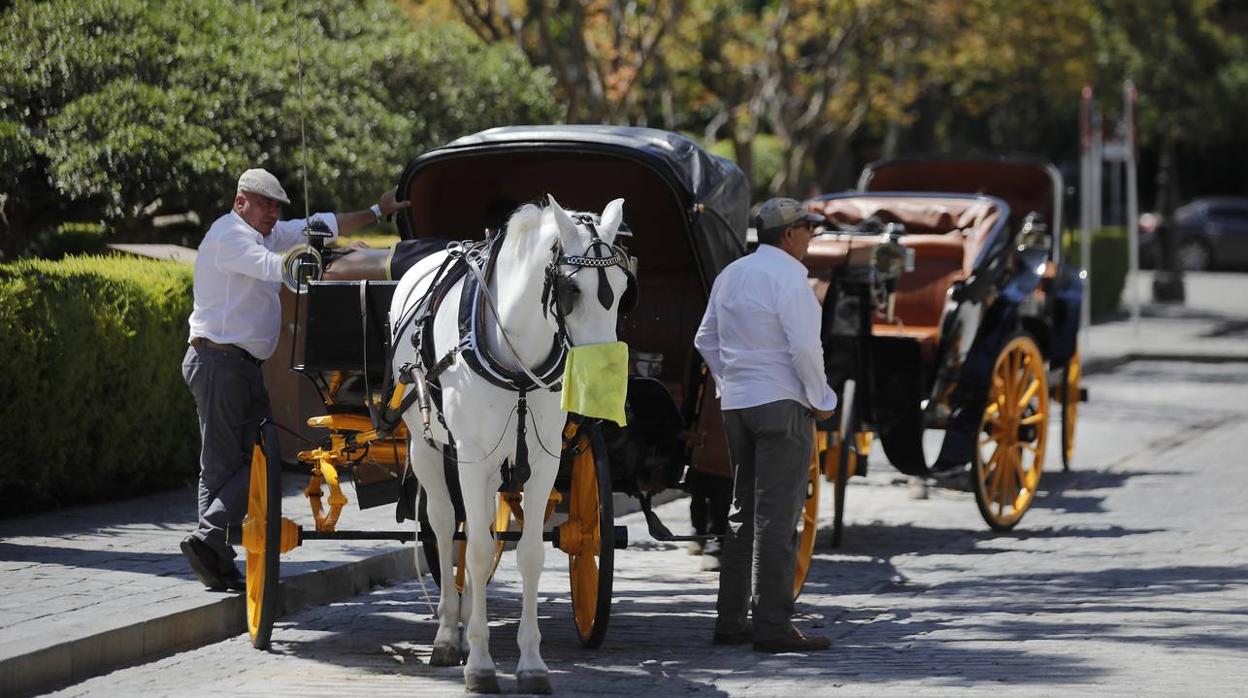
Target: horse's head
[[587, 280]]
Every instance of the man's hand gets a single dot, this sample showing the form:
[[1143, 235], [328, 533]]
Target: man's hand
[[823, 415], [389, 204]]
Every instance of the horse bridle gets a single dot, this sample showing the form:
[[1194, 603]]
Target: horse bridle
[[560, 293]]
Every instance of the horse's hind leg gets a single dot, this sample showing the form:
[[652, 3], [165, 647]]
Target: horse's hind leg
[[531, 671], [479, 501], [427, 465]]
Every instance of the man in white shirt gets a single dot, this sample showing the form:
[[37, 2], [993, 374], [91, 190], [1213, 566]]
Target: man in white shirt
[[760, 340], [233, 328]]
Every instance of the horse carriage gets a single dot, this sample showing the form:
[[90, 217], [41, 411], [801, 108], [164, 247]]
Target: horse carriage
[[643, 267], [948, 305]]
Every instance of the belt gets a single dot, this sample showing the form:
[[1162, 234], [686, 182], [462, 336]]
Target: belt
[[205, 343]]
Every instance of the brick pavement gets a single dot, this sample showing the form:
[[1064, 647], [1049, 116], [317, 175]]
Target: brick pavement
[[1128, 578], [90, 573]]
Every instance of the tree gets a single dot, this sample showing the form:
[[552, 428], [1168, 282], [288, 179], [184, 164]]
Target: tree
[[1189, 61], [120, 109], [598, 50]]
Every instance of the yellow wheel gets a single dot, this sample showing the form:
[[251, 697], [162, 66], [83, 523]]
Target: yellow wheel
[[808, 526], [1010, 456], [588, 537], [262, 535], [1071, 394]]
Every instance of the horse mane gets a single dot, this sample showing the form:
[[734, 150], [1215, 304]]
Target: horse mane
[[522, 231], [524, 225], [525, 219]]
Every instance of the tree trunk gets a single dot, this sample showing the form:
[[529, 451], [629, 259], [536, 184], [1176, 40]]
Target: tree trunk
[[1168, 280]]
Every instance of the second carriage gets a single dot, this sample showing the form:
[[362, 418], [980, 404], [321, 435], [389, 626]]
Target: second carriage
[[948, 304]]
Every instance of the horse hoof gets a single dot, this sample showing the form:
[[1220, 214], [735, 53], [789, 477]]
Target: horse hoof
[[445, 655], [535, 682], [481, 681]]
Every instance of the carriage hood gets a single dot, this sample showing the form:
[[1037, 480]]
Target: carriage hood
[[673, 189], [1024, 182]]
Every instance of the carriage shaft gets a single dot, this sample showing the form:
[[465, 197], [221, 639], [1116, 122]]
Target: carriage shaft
[[621, 536]]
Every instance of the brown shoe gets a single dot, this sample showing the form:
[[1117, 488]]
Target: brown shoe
[[204, 561], [740, 637], [795, 641]]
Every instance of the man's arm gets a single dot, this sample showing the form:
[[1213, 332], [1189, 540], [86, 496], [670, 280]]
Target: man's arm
[[290, 232], [353, 221], [707, 339], [800, 319], [287, 234]]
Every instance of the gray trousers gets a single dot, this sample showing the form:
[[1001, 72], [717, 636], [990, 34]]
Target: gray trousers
[[231, 399], [770, 446]]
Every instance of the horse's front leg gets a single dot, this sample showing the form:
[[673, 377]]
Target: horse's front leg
[[479, 491], [440, 510], [531, 672]]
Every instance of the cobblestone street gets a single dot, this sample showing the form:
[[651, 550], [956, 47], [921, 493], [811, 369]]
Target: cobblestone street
[[1128, 577]]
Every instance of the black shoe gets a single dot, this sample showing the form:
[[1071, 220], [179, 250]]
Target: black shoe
[[955, 476], [204, 561], [232, 578], [740, 637], [795, 641]]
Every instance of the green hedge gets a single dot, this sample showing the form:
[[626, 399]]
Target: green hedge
[[1108, 274], [94, 406]]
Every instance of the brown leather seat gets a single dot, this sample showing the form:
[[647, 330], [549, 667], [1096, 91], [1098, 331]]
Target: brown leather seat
[[946, 235], [921, 293]]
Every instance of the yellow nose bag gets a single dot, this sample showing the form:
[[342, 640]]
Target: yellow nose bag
[[595, 381]]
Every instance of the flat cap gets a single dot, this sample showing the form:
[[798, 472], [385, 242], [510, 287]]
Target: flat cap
[[262, 182], [778, 213]]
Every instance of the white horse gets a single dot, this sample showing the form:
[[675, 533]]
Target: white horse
[[482, 417]]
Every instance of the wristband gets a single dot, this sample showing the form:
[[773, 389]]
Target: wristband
[[376, 209]]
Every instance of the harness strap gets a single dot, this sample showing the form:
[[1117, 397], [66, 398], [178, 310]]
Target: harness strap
[[476, 295]]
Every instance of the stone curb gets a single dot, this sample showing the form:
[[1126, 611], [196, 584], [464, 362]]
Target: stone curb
[[65, 663]]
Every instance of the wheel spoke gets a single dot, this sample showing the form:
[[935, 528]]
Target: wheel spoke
[[1029, 393], [995, 458], [1019, 473], [998, 495]]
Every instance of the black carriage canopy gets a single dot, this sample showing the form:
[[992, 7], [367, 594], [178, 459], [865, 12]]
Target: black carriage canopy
[[1024, 182], [687, 209]]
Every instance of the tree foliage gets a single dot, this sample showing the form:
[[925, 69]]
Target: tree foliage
[[118, 109], [839, 82]]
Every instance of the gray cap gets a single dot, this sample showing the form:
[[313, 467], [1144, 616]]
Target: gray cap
[[262, 182], [778, 213]]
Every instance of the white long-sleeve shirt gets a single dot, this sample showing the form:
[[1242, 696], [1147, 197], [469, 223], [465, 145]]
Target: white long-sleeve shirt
[[238, 273], [760, 334]]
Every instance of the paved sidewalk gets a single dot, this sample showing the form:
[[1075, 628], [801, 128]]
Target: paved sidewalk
[[1212, 325], [94, 588]]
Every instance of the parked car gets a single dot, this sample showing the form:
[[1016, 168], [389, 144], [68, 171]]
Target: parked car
[[1211, 233]]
